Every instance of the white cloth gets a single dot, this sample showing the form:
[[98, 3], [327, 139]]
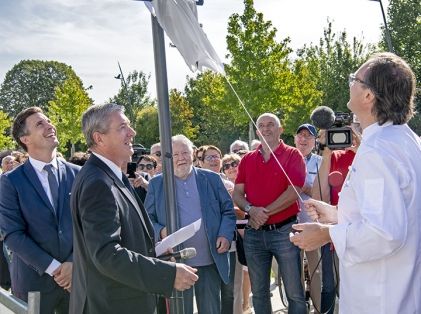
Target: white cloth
[[179, 20], [378, 236]]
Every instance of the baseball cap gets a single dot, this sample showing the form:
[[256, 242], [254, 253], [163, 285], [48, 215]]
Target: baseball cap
[[309, 127]]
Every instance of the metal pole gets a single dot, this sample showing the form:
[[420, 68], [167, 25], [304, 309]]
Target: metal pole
[[34, 299], [388, 38], [176, 301], [386, 29]]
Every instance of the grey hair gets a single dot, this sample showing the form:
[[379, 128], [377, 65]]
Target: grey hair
[[270, 115], [156, 145], [180, 138], [97, 119], [240, 143]]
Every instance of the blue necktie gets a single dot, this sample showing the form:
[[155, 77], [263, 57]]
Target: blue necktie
[[52, 181]]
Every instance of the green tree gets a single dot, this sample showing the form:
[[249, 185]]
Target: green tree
[[32, 83], [213, 112], [66, 110], [330, 63], [133, 94], [6, 141], [147, 127], [181, 115], [262, 74], [404, 22]]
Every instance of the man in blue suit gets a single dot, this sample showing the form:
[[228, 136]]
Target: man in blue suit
[[200, 194], [35, 214]]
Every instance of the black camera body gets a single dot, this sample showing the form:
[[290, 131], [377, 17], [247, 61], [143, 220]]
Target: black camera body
[[339, 135], [139, 150]]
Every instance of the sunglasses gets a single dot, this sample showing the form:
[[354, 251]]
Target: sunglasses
[[228, 165], [147, 166]]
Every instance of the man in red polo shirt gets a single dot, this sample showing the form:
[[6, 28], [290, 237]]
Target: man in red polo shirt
[[263, 190]]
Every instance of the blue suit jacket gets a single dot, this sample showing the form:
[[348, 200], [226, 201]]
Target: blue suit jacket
[[217, 212], [31, 228]]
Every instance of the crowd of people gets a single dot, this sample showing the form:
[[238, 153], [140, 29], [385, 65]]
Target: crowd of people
[[83, 233]]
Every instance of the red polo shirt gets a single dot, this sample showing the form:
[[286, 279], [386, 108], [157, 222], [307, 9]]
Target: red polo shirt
[[340, 160], [264, 181]]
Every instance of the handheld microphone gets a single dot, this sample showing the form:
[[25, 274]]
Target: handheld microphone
[[323, 117], [186, 253]]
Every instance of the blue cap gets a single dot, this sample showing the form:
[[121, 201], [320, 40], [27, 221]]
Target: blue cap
[[309, 127]]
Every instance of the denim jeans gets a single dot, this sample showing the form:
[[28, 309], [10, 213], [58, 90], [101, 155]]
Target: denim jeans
[[328, 280], [260, 247], [207, 291], [227, 290]]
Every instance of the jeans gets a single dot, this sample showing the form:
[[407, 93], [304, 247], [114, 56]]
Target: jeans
[[207, 291], [260, 247], [227, 290], [328, 281]]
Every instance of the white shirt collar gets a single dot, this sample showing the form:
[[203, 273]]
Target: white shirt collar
[[374, 128], [39, 165], [114, 168]]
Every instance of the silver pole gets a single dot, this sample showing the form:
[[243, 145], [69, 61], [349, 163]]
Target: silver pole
[[176, 302]]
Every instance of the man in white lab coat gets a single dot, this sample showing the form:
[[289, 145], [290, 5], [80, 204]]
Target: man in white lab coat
[[377, 234]]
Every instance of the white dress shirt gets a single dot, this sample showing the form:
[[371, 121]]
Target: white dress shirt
[[378, 236], [43, 178]]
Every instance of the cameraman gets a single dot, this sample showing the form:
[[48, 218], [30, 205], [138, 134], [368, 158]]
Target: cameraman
[[326, 187]]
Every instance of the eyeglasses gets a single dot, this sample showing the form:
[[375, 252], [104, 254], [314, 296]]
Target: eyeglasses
[[228, 165], [305, 137], [157, 154], [353, 78], [147, 166], [212, 157]]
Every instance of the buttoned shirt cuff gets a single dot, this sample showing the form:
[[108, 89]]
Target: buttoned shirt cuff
[[338, 235], [52, 267]]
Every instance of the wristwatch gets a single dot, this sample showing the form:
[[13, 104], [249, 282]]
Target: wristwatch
[[247, 208]]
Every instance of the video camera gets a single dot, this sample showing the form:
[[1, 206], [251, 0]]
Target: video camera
[[139, 150], [339, 135], [336, 124]]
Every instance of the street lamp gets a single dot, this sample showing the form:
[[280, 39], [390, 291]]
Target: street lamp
[[387, 33]]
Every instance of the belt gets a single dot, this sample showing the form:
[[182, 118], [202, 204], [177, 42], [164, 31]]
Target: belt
[[278, 225]]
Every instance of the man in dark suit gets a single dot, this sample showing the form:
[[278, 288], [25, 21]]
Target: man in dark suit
[[114, 266], [35, 214]]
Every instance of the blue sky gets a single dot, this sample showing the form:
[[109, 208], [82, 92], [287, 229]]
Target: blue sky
[[93, 35]]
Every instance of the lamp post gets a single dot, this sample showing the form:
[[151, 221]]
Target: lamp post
[[386, 29], [129, 106]]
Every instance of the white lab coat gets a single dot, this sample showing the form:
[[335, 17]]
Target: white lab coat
[[378, 236]]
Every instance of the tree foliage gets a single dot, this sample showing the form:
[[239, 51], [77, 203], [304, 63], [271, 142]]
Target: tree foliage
[[330, 63], [6, 141], [66, 110], [262, 73], [133, 94], [404, 23], [32, 83], [213, 113], [181, 120]]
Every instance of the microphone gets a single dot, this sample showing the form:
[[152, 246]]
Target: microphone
[[323, 117], [186, 253]]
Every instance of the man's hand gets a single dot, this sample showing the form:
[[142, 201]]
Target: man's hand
[[310, 236], [258, 217], [163, 233], [185, 277], [140, 181], [63, 275], [222, 245], [321, 212]]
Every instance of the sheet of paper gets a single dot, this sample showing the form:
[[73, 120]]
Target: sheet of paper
[[177, 237]]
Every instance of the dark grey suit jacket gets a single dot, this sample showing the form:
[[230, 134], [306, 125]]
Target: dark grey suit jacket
[[114, 270]]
